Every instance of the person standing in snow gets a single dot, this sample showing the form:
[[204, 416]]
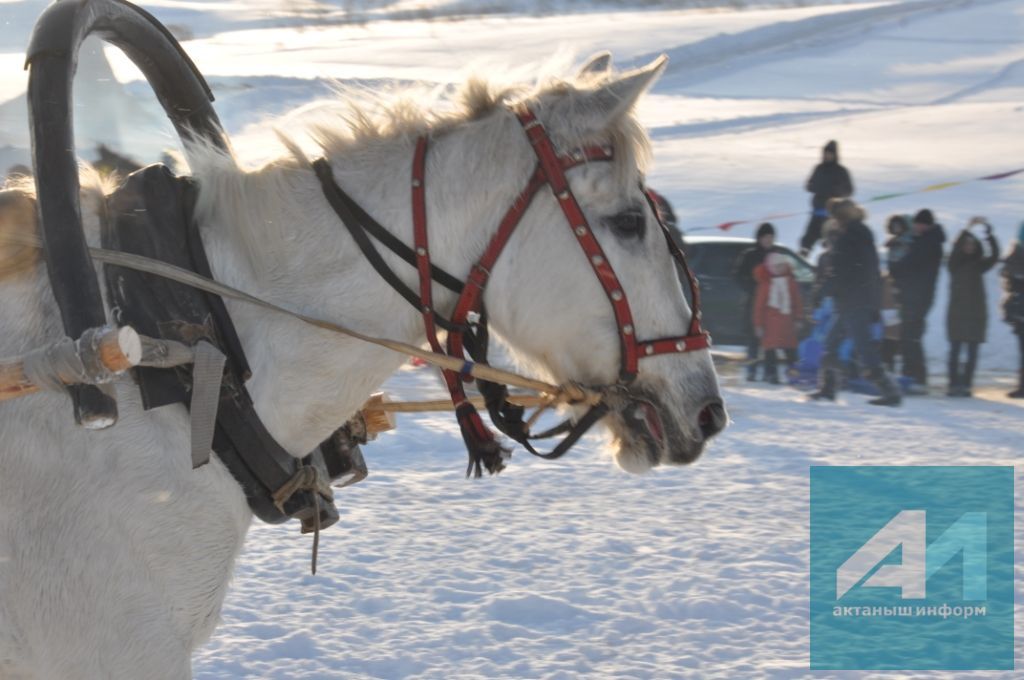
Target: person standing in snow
[[829, 180], [777, 313], [743, 274], [900, 236], [1013, 303], [823, 267], [916, 274], [855, 283], [975, 251]]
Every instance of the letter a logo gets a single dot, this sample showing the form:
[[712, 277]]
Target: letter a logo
[[906, 530]]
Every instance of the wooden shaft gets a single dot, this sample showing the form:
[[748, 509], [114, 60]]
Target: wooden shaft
[[378, 412], [376, 417], [13, 382], [527, 400], [118, 350]]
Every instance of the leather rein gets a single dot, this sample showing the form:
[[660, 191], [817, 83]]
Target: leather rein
[[467, 327]]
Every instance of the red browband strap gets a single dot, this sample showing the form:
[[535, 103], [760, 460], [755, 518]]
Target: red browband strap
[[550, 170]]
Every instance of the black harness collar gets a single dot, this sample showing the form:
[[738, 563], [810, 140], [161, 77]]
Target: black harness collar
[[150, 214]]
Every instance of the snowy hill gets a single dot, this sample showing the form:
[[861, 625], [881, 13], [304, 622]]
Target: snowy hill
[[575, 569]]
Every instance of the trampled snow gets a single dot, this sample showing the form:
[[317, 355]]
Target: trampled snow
[[576, 569]]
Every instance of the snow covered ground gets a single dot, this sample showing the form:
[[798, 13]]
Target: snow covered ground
[[575, 569]]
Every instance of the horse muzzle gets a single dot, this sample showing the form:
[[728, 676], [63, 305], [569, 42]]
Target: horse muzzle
[[650, 433]]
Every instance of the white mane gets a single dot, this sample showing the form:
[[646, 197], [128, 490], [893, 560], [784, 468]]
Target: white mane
[[359, 124]]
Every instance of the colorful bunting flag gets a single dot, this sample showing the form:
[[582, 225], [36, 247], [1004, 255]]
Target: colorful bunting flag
[[940, 187], [1003, 175], [726, 226]]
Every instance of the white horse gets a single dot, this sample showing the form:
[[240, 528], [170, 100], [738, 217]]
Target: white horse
[[115, 554]]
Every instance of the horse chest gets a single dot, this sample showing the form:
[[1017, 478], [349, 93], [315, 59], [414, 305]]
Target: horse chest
[[132, 526]]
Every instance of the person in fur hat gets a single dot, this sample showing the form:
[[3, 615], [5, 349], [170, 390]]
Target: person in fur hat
[[975, 251], [855, 284], [896, 247], [743, 273], [1012, 274], [777, 312], [916, 274], [829, 180]]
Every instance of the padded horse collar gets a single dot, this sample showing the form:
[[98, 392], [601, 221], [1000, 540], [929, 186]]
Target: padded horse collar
[[150, 214]]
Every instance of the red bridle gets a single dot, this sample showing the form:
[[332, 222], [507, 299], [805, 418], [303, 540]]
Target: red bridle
[[468, 322], [550, 171]]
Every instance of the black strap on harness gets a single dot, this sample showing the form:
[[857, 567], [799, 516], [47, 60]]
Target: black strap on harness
[[509, 417], [361, 226], [151, 214]]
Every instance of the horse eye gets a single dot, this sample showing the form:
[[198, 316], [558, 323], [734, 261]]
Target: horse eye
[[628, 224]]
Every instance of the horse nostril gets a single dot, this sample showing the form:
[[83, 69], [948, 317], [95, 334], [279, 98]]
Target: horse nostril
[[711, 419]]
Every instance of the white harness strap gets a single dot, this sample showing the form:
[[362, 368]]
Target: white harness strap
[[207, 375]]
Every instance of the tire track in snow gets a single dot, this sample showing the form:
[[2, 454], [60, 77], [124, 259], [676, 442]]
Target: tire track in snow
[[751, 123], [1007, 73], [731, 52]]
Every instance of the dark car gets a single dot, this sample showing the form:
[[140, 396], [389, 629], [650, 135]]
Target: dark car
[[712, 259]]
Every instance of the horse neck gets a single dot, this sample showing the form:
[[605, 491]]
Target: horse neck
[[307, 382]]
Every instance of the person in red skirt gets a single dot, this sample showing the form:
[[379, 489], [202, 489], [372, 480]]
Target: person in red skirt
[[778, 310]]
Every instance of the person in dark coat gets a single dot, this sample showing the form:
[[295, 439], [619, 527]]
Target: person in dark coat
[[1012, 274], [855, 284], [975, 251], [829, 180], [823, 268], [900, 236], [916, 274], [743, 274]]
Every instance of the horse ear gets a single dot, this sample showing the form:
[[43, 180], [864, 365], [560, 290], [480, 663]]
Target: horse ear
[[598, 65], [600, 107]]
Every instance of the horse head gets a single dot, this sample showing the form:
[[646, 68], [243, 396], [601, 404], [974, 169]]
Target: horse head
[[567, 314], [555, 314]]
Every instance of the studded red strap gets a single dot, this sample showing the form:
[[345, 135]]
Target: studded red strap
[[484, 449], [556, 179], [550, 171], [422, 249], [632, 350], [479, 274]]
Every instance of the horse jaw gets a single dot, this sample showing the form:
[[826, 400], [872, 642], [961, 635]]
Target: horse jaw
[[647, 432]]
